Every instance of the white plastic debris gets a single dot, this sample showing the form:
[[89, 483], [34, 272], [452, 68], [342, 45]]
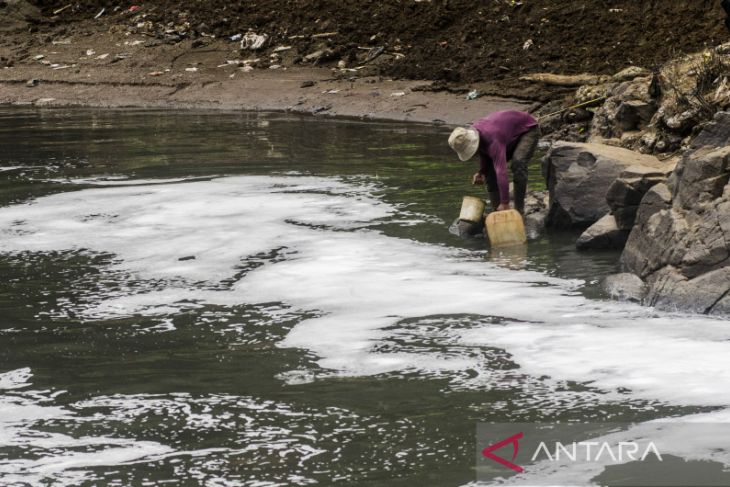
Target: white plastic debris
[[235, 37], [528, 44], [398, 94], [253, 41], [191, 70]]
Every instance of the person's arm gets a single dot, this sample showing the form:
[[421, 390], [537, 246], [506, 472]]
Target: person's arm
[[480, 177], [484, 160], [498, 153]]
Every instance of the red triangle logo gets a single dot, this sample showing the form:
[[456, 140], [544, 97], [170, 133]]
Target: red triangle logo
[[514, 440]]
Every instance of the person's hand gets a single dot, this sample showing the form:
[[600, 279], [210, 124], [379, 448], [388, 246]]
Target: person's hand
[[478, 178], [503, 206]]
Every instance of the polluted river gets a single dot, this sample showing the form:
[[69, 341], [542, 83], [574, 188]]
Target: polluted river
[[221, 299]]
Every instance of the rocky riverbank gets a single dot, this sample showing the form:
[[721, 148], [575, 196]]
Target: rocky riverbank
[[653, 178]]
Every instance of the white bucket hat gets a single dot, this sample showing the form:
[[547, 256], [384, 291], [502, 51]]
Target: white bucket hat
[[465, 141]]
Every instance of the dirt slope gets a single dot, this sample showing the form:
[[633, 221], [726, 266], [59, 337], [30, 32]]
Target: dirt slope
[[453, 40]]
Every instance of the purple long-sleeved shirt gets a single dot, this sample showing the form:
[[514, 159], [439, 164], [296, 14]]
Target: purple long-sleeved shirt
[[498, 136]]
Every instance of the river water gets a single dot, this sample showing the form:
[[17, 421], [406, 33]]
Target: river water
[[263, 299]]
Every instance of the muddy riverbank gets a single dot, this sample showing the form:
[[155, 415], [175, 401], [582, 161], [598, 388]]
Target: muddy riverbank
[[110, 69]]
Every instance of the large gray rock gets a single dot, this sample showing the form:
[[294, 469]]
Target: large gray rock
[[634, 114], [578, 177], [656, 243], [629, 107], [656, 199], [680, 244], [701, 176], [716, 134], [670, 289], [603, 235], [627, 191]]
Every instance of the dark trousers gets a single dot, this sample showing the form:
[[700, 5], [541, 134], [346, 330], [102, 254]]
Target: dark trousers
[[521, 156]]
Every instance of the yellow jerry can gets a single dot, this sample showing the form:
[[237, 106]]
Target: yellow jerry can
[[505, 228]]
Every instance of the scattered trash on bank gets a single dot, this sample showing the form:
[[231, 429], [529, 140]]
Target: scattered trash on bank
[[253, 41]]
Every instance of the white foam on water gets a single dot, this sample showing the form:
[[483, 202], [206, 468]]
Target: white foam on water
[[121, 181], [362, 282], [258, 431], [63, 458]]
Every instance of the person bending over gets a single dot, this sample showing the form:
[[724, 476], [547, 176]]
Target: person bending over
[[500, 137]]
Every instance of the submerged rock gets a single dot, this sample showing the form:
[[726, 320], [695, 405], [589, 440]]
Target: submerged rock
[[536, 208], [603, 235], [465, 229], [625, 287]]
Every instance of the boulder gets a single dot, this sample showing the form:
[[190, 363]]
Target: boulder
[[656, 199], [578, 176], [634, 114], [656, 243], [716, 134], [625, 287], [627, 191], [700, 176], [629, 107], [680, 244], [603, 235], [670, 289]]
